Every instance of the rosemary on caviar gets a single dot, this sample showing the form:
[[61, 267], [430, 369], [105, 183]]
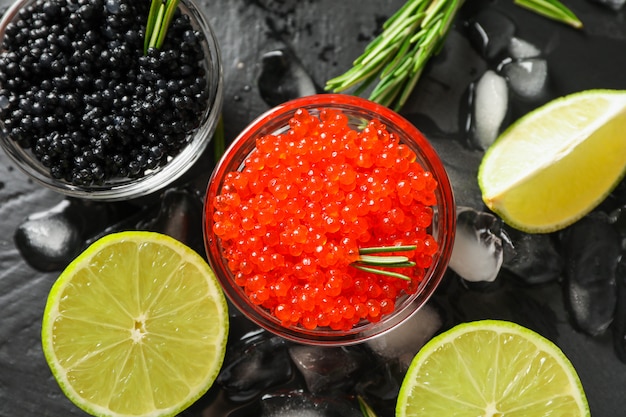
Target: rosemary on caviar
[[370, 260], [159, 18], [415, 33]]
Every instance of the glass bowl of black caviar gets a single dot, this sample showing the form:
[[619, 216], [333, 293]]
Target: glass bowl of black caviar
[[88, 111]]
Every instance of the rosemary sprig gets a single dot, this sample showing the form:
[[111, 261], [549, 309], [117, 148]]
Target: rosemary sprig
[[399, 54], [386, 249], [366, 410], [409, 38], [371, 263], [552, 9], [159, 19]]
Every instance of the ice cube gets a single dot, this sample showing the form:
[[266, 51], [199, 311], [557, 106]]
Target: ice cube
[[619, 320], [491, 102], [521, 49], [402, 343], [48, 240], [491, 32], [478, 251], [379, 386], [618, 218], [179, 216], [527, 78], [283, 77], [329, 369], [536, 259], [591, 252], [440, 102], [254, 364]]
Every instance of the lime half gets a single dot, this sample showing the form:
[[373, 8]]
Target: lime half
[[558, 162], [136, 325], [491, 368]]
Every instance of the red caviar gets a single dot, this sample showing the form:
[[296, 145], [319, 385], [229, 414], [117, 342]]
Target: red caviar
[[292, 220]]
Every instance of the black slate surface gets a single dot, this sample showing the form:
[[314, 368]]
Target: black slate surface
[[326, 36]]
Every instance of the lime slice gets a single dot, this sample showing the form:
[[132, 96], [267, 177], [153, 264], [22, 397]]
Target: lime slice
[[557, 163], [135, 325], [491, 368]]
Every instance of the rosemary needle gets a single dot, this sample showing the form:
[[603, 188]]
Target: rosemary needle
[[551, 9], [383, 260], [371, 263], [366, 410], [407, 264], [382, 249], [381, 272], [159, 19]]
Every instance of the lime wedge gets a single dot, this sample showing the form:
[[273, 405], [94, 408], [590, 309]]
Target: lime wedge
[[491, 368], [136, 325], [558, 162]]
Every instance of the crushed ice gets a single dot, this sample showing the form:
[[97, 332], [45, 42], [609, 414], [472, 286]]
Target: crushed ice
[[479, 243], [490, 107], [521, 49], [527, 77]]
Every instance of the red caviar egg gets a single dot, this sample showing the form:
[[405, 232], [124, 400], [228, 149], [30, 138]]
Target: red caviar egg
[[292, 220]]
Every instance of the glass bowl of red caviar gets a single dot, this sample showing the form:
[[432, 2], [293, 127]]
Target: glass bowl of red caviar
[[329, 220], [88, 112]]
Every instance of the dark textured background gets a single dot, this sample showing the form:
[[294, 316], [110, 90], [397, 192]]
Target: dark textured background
[[325, 35]]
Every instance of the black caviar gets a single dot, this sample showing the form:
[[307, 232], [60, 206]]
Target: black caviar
[[77, 90]]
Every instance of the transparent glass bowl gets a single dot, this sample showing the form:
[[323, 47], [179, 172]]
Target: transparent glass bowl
[[358, 110], [128, 188]]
